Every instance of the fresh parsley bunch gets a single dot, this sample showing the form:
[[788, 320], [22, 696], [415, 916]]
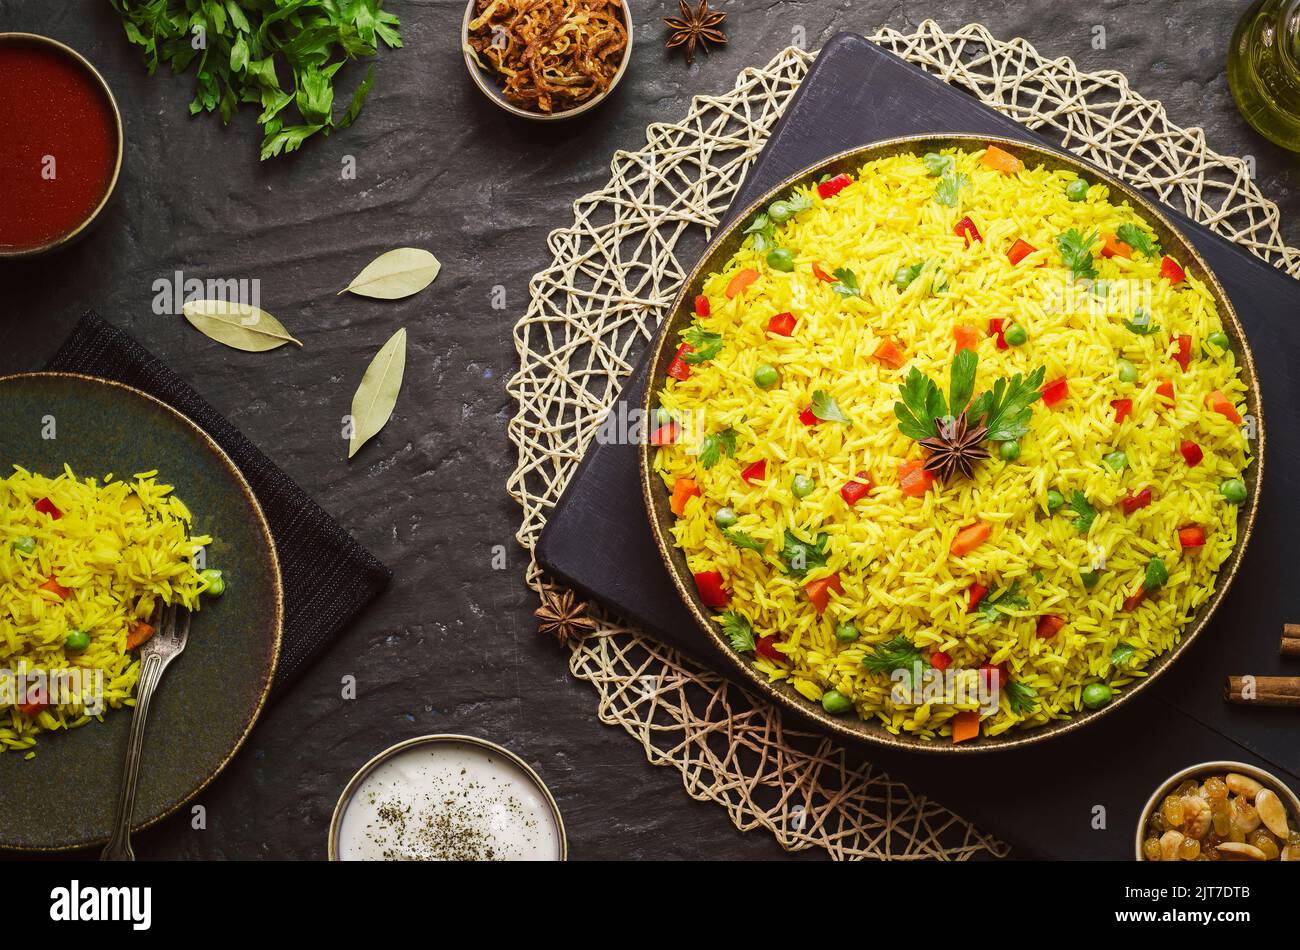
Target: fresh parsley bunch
[[242, 51], [1005, 408]]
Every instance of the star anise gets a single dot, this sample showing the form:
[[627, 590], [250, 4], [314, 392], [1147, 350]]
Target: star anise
[[956, 448], [563, 616], [695, 26]]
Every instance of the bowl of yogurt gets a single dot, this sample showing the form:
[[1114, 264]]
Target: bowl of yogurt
[[447, 798]]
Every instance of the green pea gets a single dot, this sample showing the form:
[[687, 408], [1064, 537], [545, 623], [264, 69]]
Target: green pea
[[77, 640], [1127, 372], [780, 259], [24, 545], [1054, 500], [779, 211], [1015, 335], [1116, 461], [1096, 695], [1090, 578], [766, 376], [1234, 491], [663, 416], [846, 633], [215, 580], [1220, 342], [836, 703], [725, 518], [1010, 450], [1076, 190], [802, 486]]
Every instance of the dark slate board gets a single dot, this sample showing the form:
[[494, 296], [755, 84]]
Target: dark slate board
[[1043, 800]]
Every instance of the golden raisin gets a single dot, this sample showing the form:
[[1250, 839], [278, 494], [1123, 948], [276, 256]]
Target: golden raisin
[[1189, 850], [1216, 788]]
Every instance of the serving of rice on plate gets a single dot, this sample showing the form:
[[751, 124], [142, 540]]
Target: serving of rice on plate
[[952, 444], [83, 566]]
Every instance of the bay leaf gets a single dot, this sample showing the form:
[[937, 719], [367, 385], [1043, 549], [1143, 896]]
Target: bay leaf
[[237, 325], [395, 274], [377, 395]]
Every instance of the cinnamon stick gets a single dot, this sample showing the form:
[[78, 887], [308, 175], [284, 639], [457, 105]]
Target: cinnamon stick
[[1263, 690], [1291, 639]]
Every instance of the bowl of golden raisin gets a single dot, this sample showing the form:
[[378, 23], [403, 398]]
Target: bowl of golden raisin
[[1220, 811]]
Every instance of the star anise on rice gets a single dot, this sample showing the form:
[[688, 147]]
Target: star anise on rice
[[563, 616], [956, 448], [700, 25]]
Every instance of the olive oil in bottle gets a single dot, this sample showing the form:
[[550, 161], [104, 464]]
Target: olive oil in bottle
[[1264, 69]]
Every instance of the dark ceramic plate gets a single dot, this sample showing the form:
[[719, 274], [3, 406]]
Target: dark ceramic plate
[[212, 694]]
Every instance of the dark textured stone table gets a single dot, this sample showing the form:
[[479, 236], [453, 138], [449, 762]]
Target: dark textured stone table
[[452, 647]]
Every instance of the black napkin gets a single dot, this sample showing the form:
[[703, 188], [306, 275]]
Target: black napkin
[[328, 577]]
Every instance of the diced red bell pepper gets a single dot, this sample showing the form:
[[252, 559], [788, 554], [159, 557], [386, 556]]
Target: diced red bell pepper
[[1221, 404], [833, 186], [808, 418], [1192, 453], [742, 280], [766, 647], [913, 479], [889, 354], [821, 274], [1055, 391], [1166, 390], [818, 591], [684, 489], [1133, 502], [702, 305], [996, 673], [138, 635], [709, 584], [1172, 272], [755, 472], [857, 489], [974, 594], [679, 368], [46, 507], [965, 337], [666, 434], [965, 228], [37, 702], [1193, 536], [940, 660], [1184, 354], [1019, 251], [1049, 625], [1123, 409], [997, 328], [1135, 598], [1111, 246], [782, 323], [54, 587]]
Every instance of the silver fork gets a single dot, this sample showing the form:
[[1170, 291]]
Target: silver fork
[[157, 653]]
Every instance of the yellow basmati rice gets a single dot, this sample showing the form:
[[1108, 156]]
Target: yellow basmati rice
[[892, 552]]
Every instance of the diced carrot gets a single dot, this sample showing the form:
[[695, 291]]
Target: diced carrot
[[818, 591], [781, 324], [1172, 272], [1123, 409], [965, 725], [54, 587], [1055, 391], [666, 434], [36, 703], [913, 479], [1184, 354], [684, 489], [741, 281], [1000, 160], [966, 337], [755, 472], [1019, 251], [1111, 246], [821, 274], [1193, 536], [702, 305], [970, 537], [1166, 390], [1135, 598], [138, 634], [1049, 625], [974, 594], [940, 660], [889, 354], [1221, 404], [679, 368]]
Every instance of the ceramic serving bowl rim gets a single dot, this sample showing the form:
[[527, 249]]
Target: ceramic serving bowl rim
[[483, 79], [434, 738], [63, 49], [1205, 769], [277, 583], [678, 316]]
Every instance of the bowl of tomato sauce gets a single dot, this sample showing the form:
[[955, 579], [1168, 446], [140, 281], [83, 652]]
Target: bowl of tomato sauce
[[61, 147]]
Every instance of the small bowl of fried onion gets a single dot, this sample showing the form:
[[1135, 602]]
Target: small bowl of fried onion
[[547, 59]]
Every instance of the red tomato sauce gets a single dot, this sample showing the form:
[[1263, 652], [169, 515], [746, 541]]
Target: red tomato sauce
[[58, 144]]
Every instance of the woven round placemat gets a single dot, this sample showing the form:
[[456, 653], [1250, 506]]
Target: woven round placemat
[[613, 274]]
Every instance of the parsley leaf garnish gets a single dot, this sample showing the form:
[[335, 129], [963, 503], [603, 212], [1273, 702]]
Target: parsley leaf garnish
[[1010, 404], [1141, 323], [938, 165], [742, 540], [846, 283], [1022, 699], [898, 653], [716, 445], [738, 630], [1137, 239], [705, 344], [948, 191], [1087, 514], [801, 556], [961, 380], [798, 201], [922, 403], [1076, 252], [826, 409], [763, 231], [1156, 574], [996, 606]]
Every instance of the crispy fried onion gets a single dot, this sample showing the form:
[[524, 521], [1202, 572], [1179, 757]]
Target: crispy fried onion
[[551, 54]]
